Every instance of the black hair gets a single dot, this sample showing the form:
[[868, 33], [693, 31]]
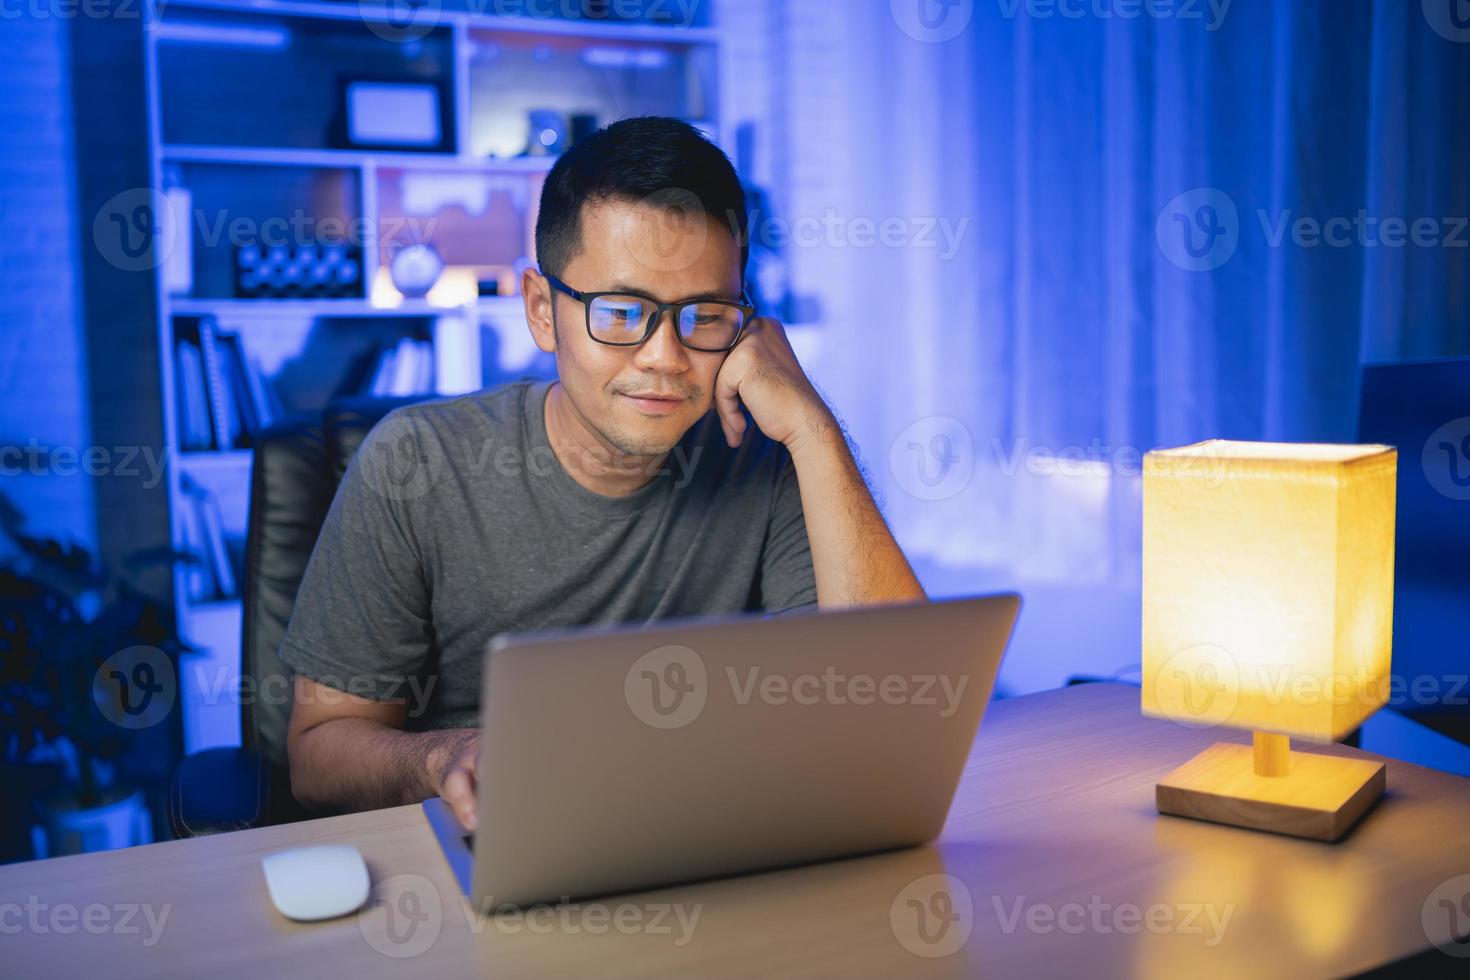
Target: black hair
[[645, 158]]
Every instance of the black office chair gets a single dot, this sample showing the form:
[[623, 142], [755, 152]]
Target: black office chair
[[297, 467]]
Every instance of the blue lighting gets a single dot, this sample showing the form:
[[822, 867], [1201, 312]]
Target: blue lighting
[[230, 35]]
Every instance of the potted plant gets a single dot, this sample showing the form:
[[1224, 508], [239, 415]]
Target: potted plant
[[87, 668]]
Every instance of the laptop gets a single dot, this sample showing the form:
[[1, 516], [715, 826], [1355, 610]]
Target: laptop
[[619, 759]]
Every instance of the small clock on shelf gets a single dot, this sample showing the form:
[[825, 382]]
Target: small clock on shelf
[[415, 268]]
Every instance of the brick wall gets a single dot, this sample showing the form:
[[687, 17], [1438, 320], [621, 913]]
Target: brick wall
[[43, 379]]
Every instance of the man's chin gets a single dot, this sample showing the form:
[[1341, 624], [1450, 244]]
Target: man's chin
[[648, 435], [650, 439], [649, 449]]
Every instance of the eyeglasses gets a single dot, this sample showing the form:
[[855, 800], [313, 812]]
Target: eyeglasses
[[628, 319]]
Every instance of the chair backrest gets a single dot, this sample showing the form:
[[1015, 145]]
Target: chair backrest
[[297, 467], [1423, 408]]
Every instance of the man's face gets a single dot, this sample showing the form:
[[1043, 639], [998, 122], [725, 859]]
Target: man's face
[[671, 255]]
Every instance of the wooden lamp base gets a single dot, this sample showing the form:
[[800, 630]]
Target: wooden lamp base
[[1266, 787]]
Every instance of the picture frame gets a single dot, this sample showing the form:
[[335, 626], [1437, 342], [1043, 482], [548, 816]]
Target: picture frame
[[395, 114]]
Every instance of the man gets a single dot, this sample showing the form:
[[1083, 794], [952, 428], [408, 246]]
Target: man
[[632, 489]]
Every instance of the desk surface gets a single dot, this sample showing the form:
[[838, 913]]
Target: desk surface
[[1053, 863]]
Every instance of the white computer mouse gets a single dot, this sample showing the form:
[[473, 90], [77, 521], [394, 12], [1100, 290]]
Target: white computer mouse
[[312, 883]]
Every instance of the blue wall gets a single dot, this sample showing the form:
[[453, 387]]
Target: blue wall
[[43, 379]]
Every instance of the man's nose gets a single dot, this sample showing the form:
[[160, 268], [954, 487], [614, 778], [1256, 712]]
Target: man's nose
[[663, 351]]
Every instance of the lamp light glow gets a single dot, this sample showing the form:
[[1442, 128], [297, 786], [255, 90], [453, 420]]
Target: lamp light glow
[[1268, 606]]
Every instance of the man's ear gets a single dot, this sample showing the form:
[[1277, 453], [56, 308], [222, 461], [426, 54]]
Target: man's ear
[[537, 295]]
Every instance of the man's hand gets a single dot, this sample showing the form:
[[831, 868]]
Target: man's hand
[[762, 371], [854, 557], [352, 753], [458, 778]]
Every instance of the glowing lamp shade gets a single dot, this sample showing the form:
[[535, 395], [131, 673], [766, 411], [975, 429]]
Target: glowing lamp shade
[[1268, 606]]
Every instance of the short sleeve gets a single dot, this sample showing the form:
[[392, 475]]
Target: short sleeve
[[361, 621], [788, 583]]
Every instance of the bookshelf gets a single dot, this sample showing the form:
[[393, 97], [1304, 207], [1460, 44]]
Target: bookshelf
[[350, 159], [244, 102]]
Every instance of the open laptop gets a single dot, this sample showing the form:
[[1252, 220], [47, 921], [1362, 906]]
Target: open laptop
[[619, 759]]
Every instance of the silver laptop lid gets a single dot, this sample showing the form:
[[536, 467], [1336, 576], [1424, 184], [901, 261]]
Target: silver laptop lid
[[618, 759]]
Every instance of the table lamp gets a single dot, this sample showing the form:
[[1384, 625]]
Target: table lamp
[[1268, 606]]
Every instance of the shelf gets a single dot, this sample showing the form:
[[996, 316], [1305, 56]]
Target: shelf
[[248, 119], [188, 306], [593, 30], [214, 607], [353, 159], [586, 28], [211, 459]]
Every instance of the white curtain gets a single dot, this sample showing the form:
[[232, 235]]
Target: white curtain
[[1003, 381]]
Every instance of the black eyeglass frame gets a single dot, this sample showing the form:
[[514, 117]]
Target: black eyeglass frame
[[659, 309]]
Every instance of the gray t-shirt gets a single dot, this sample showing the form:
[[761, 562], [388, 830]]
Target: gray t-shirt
[[456, 522]]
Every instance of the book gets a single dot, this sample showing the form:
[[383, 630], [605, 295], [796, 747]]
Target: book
[[226, 424], [199, 582], [237, 380], [178, 263], [404, 368], [224, 398], [262, 394], [384, 371], [214, 542], [195, 429]]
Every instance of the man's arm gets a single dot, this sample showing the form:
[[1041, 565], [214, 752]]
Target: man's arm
[[361, 624], [855, 559], [351, 753]]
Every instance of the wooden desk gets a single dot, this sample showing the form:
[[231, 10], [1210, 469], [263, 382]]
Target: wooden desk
[[1053, 836]]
